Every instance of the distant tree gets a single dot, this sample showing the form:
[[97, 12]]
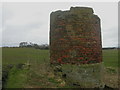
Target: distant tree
[[36, 46], [44, 46], [33, 45], [23, 44]]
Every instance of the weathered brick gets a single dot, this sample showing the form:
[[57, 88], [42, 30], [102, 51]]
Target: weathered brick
[[75, 39], [77, 29]]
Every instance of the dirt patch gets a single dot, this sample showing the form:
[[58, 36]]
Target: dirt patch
[[111, 77]]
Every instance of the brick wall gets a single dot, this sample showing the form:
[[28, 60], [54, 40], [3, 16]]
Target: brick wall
[[75, 37]]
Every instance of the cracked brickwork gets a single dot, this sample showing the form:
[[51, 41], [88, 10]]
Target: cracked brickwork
[[75, 37]]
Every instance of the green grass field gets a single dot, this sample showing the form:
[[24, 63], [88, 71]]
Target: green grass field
[[110, 58], [24, 55], [15, 56], [38, 75]]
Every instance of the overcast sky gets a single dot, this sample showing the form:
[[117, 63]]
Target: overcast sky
[[31, 21]]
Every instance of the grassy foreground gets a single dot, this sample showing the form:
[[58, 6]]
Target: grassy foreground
[[110, 58], [39, 74]]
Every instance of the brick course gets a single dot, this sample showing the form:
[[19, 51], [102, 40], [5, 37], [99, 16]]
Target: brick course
[[75, 37]]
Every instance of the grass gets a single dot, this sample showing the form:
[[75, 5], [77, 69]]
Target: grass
[[15, 56], [110, 58], [24, 55], [39, 75], [17, 78], [0, 67]]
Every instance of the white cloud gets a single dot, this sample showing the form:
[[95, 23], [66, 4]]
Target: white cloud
[[110, 37], [22, 14], [30, 21], [0, 24]]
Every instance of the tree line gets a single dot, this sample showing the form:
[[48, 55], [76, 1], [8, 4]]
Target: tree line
[[33, 45]]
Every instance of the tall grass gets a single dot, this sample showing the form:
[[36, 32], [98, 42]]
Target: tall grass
[[32, 56], [38, 74], [24, 55], [110, 58]]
